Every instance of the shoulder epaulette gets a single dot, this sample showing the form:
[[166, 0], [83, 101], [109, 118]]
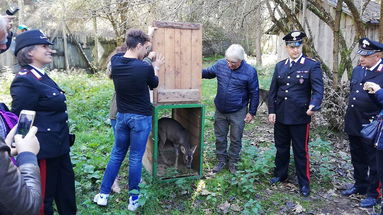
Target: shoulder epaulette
[[33, 72], [302, 61], [36, 74], [23, 72]]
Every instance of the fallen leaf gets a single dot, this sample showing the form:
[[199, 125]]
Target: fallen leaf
[[298, 209], [235, 207], [205, 192], [207, 211], [224, 207]]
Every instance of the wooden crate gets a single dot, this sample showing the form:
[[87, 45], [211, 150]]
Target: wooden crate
[[180, 76], [191, 116]]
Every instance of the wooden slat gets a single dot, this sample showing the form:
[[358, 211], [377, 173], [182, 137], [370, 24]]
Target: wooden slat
[[147, 160], [158, 44], [177, 25], [177, 59], [182, 49], [177, 95], [169, 77], [186, 59], [196, 59], [159, 47]]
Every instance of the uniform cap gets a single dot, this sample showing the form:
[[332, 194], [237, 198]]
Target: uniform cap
[[30, 38], [369, 47], [294, 38]]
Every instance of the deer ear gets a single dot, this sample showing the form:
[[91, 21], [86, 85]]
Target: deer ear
[[183, 150], [194, 148]]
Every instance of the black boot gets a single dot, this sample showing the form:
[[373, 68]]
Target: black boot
[[219, 166]]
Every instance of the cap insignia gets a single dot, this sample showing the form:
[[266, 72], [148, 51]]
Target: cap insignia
[[42, 35], [365, 43], [295, 34]]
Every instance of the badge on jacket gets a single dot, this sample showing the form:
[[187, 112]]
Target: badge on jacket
[[300, 76]]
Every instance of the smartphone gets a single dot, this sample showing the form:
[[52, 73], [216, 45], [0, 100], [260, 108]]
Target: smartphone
[[26, 119]]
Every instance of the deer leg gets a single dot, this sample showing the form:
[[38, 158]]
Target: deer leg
[[176, 163], [161, 146]]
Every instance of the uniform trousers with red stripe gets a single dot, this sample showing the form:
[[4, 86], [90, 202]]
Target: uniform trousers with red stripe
[[297, 136], [363, 159], [379, 166], [57, 181]]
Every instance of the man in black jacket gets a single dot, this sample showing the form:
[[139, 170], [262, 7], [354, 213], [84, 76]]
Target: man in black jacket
[[20, 187]]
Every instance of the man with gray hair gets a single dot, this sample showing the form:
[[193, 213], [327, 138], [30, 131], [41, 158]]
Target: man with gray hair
[[236, 103], [5, 34]]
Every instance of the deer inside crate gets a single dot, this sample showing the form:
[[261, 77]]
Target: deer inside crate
[[172, 132]]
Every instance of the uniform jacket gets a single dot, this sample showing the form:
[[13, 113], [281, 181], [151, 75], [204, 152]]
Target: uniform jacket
[[30, 90], [362, 106], [236, 88], [293, 89], [20, 188]]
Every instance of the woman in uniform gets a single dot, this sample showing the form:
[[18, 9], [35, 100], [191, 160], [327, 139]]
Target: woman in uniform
[[33, 89]]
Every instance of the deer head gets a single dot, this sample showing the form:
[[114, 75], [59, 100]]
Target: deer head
[[188, 154]]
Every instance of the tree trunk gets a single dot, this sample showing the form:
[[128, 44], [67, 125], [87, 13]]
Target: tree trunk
[[258, 37], [92, 69], [304, 13], [335, 49], [95, 52], [359, 25], [20, 4], [318, 10], [381, 22], [63, 24], [65, 46]]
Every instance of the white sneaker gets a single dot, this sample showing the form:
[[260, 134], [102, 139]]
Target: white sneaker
[[101, 199], [133, 204]]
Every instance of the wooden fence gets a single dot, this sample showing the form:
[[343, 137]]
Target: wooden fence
[[78, 48]]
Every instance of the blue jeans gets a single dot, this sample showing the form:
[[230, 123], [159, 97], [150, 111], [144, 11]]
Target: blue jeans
[[132, 130], [113, 124]]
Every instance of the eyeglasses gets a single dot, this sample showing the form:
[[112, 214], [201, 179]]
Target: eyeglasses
[[231, 62]]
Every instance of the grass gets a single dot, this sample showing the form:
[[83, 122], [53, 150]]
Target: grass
[[247, 193]]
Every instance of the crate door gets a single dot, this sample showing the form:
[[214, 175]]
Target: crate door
[[180, 76]]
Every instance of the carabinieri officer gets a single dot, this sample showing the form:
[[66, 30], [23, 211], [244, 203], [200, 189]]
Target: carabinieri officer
[[363, 108], [33, 89], [296, 92]]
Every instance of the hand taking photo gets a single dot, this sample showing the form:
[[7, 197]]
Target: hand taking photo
[[27, 144]]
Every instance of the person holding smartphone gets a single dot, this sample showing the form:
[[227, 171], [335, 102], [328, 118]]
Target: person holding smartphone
[[20, 184], [32, 89]]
